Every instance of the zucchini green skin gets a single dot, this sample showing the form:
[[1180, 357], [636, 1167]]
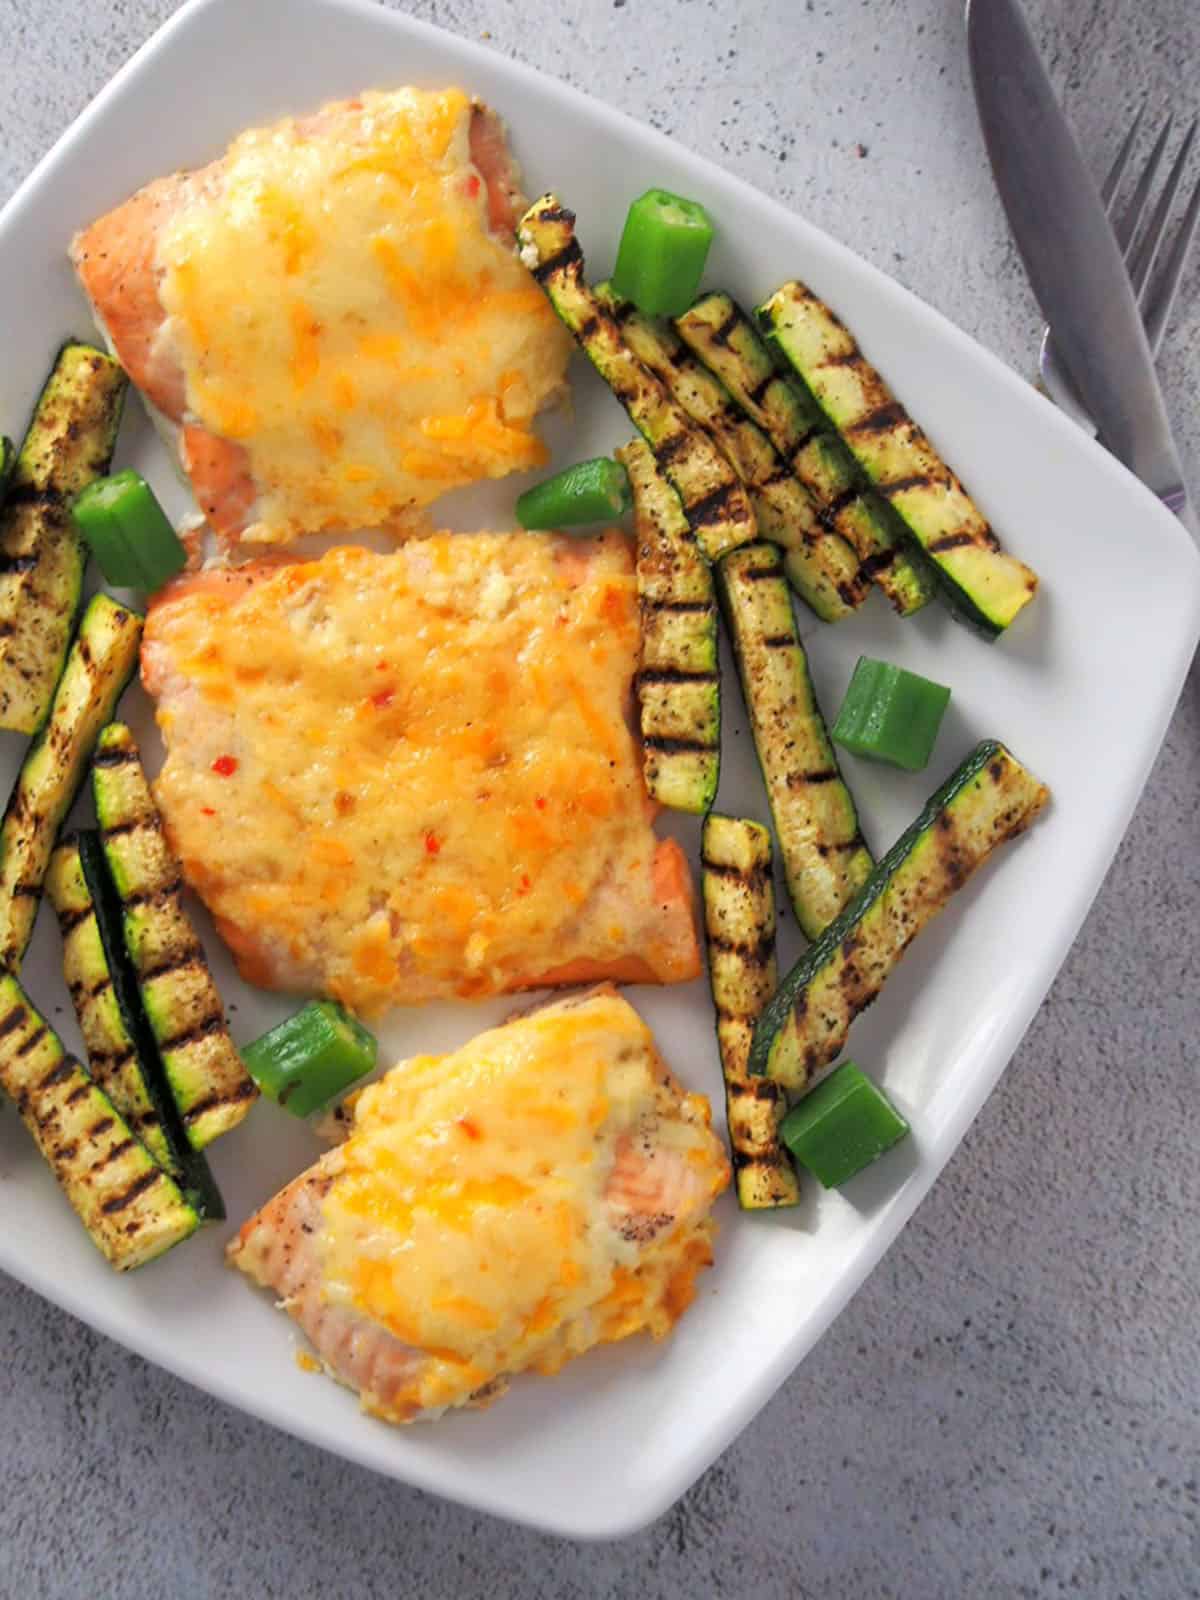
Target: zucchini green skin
[[678, 685], [99, 665], [825, 859], [714, 498], [984, 585], [91, 982], [739, 924], [990, 798], [132, 1209], [208, 1082], [8, 456], [42, 558], [822, 567], [123, 1058], [721, 334]]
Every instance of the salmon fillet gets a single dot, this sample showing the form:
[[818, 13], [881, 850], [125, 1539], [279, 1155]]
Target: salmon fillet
[[545, 1189], [399, 777], [332, 315]]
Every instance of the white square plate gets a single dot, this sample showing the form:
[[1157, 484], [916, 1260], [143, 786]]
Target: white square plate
[[1082, 689]]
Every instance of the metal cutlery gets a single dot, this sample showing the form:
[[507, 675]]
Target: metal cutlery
[[1156, 294], [1071, 255]]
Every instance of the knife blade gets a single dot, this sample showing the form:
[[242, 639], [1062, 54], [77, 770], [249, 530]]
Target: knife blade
[[1066, 242]]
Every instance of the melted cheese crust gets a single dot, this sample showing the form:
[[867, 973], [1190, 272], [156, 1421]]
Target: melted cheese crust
[[340, 308], [400, 776], [474, 1218]]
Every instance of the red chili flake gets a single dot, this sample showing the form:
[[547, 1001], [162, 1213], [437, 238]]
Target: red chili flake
[[381, 666], [469, 1128], [383, 697], [540, 802], [523, 884], [613, 606], [208, 811], [225, 766], [432, 843], [472, 187]]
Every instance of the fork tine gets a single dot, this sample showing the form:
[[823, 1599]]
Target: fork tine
[[1160, 298], [1127, 224], [1144, 253], [1117, 171]]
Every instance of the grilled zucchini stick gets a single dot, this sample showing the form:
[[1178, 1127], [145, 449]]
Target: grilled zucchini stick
[[739, 920], [981, 582], [990, 798], [69, 443], [821, 566], [678, 682], [112, 1057], [825, 859], [714, 498], [723, 337], [98, 668], [131, 1208], [123, 1059], [210, 1085]]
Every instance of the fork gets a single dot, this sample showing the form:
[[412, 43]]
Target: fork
[[1155, 291]]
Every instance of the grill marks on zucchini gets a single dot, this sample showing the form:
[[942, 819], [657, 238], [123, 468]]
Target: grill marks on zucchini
[[678, 684], [210, 1086], [739, 921], [822, 568], [112, 1056], [983, 584], [131, 1208], [825, 858], [989, 799], [123, 1057], [724, 338], [69, 443], [98, 667], [714, 499]]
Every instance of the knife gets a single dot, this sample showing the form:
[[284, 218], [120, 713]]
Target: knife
[[1071, 255]]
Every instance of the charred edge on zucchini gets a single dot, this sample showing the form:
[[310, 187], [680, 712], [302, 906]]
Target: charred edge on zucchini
[[69, 443], [678, 684], [210, 1085], [123, 1057], [982, 583], [131, 1208], [739, 921], [825, 858], [98, 667], [990, 798], [8, 456], [721, 334], [822, 567], [714, 498]]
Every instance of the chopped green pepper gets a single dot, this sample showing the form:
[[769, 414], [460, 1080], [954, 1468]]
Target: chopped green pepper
[[311, 1056], [843, 1125], [664, 246], [891, 715], [128, 532], [590, 491]]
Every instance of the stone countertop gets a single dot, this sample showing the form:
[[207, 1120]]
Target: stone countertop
[[1011, 1406]]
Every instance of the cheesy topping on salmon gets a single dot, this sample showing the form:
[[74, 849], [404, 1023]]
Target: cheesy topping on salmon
[[343, 311], [395, 777], [543, 1189]]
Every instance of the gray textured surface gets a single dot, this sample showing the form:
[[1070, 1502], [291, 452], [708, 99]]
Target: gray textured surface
[[1012, 1404]]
